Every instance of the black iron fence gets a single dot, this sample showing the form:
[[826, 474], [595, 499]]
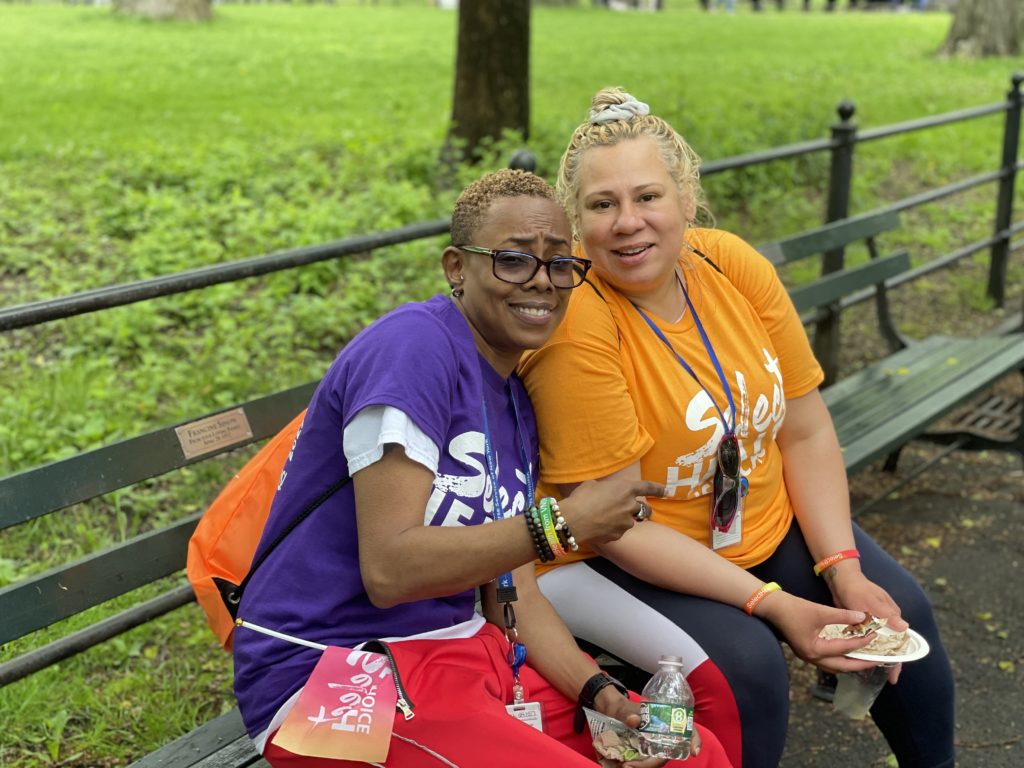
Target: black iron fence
[[842, 144]]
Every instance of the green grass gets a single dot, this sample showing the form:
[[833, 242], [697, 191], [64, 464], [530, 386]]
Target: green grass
[[132, 149]]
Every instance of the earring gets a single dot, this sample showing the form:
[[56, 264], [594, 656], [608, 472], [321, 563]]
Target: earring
[[457, 290]]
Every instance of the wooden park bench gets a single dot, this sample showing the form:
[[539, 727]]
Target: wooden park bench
[[882, 406], [40, 601], [876, 410]]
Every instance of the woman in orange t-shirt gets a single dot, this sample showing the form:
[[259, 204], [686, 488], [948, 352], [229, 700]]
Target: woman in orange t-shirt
[[684, 362]]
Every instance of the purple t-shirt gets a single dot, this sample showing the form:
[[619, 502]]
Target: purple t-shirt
[[421, 359]]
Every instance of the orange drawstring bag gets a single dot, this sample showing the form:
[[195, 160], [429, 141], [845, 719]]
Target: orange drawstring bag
[[221, 550]]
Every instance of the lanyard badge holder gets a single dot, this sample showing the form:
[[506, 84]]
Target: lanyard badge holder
[[730, 487], [527, 711]]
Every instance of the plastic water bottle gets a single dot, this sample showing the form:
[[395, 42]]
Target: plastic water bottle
[[666, 712]]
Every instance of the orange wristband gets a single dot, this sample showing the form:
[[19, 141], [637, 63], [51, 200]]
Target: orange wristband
[[755, 599], [828, 562]]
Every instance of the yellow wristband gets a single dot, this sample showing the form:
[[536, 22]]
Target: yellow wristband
[[755, 599], [547, 520]]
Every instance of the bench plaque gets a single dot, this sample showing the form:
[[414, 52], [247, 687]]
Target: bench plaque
[[213, 433]]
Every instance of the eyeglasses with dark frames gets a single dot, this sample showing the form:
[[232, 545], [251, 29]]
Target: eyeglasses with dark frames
[[518, 268], [729, 485]]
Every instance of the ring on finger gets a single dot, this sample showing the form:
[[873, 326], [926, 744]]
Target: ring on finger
[[643, 513]]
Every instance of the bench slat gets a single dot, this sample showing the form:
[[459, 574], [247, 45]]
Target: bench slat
[[898, 376], [220, 743], [900, 381], [834, 286], [39, 491], [67, 646], [887, 409], [855, 381], [838, 234], [40, 601], [238, 754]]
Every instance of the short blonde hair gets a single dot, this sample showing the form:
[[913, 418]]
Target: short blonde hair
[[681, 162], [475, 200]]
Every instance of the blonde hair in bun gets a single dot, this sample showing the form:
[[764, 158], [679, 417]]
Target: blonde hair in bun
[[616, 116]]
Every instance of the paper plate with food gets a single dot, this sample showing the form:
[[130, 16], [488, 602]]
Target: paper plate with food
[[888, 646]]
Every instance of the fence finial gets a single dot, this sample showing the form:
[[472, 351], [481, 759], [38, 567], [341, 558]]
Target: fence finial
[[846, 108], [523, 160]]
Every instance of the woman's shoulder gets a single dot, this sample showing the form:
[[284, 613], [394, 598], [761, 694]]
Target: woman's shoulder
[[721, 245], [730, 255], [418, 336], [588, 328], [590, 316], [438, 312], [414, 323], [411, 358]]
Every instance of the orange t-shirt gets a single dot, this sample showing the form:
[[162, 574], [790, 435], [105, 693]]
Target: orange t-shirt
[[608, 393]]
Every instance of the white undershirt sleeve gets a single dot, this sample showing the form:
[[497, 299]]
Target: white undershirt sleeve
[[377, 425]]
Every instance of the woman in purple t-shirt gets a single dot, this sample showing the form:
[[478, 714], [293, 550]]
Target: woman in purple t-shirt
[[422, 411]]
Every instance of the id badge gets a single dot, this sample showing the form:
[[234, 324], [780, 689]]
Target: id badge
[[734, 533], [528, 712]]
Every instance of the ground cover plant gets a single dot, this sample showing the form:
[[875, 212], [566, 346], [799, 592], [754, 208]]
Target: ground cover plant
[[130, 149]]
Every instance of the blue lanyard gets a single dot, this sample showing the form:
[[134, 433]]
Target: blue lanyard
[[729, 425], [516, 656], [505, 580]]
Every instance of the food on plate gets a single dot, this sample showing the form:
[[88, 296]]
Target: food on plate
[[887, 642], [866, 627]]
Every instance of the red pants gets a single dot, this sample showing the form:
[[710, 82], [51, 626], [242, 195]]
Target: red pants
[[459, 689]]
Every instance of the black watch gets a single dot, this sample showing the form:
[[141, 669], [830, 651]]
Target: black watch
[[591, 688]]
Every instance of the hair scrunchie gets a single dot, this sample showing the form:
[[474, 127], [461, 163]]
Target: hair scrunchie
[[626, 111]]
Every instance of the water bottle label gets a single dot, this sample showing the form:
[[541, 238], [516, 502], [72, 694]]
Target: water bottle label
[[666, 719]]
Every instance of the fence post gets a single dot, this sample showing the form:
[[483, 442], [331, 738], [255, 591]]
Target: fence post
[[1004, 201], [844, 133]]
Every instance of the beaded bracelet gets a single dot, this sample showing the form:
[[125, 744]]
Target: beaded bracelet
[[536, 529], [548, 522], [828, 562], [565, 537], [755, 599]]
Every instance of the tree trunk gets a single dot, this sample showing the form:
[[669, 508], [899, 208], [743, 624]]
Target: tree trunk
[[184, 10], [492, 74], [986, 28]]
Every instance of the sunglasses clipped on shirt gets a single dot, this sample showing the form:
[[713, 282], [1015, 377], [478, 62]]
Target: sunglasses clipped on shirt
[[518, 268], [729, 484]]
